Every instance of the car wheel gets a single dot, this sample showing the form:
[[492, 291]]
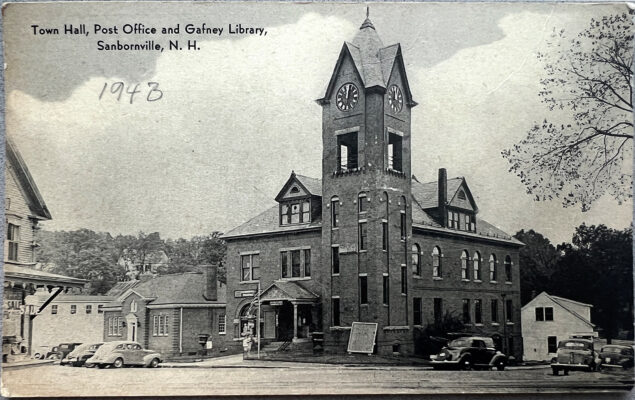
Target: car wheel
[[89, 365], [466, 364], [38, 356], [555, 371], [154, 363], [118, 363], [500, 365]]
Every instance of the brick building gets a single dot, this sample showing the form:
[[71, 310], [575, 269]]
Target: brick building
[[368, 242], [177, 314]]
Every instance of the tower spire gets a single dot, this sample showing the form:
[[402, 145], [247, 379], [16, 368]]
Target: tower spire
[[367, 23]]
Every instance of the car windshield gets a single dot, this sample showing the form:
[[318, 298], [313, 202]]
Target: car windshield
[[462, 342], [574, 345], [610, 349], [64, 346], [95, 346]]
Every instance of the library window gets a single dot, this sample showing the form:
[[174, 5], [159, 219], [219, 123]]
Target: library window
[[494, 310], [335, 210], [295, 263], [385, 290], [478, 312], [363, 236], [362, 203], [335, 306], [477, 266], [466, 311], [335, 260], [493, 274], [465, 258], [404, 280], [417, 311], [295, 212], [508, 269], [416, 259], [249, 267], [363, 290], [222, 324], [509, 311], [436, 262]]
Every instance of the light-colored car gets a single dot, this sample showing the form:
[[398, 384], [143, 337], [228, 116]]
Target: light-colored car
[[80, 354], [575, 355], [120, 353]]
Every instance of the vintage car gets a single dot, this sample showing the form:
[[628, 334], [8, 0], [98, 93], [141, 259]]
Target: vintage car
[[61, 350], [120, 353], [78, 357], [574, 355], [470, 352], [615, 356]]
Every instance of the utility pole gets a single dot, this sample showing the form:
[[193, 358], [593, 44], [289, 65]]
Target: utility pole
[[258, 321]]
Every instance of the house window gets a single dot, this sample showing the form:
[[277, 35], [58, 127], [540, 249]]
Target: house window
[[335, 210], [73, 309], [13, 239], [363, 236], [417, 310], [404, 280], [403, 226], [395, 152], [465, 257], [100, 309], [552, 344], [284, 264], [362, 207], [363, 290], [114, 326], [416, 259], [160, 325], [347, 152], [509, 311], [335, 259], [548, 313], [477, 266], [249, 267], [469, 223], [293, 265], [478, 312], [307, 262], [89, 308], [508, 269], [384, 235], [295, 212], [385, 290], [540, 314], [466, 311], [492, 268], [438, 310], [436, 262], [222, 324], [494, 310], [453, 220], [335, 306], [54, 309]]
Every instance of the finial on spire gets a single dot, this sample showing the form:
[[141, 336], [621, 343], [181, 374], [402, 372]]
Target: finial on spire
[[367, 23], [367, 11]]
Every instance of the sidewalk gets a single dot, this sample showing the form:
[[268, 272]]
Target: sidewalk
[[29, 362]]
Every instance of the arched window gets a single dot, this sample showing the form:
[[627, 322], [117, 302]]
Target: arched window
[[362, 201], [416, 259], [477, 266], [508, 268], [492, 268], [465, 257], [436, 262], [246, 321]]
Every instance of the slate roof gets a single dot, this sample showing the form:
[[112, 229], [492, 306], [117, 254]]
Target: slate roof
[[34, 198], [121, 287], [185, 288], [76, 298], [292, 290], [313, 185], [268, 222], [426, 194]]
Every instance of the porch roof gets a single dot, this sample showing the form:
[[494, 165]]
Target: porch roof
[[288, 290], [16, 275]]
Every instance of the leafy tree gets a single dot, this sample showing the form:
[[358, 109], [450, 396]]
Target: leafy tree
[[185, 255], [584, 150], [538, 261]]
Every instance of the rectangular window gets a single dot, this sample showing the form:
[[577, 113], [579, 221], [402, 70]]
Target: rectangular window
[[347, 151], [109, 326], [386, 290], [395, 152], [307, 262], [335, 306], [453, 220], [222, 324], [284, 264], [54, 309], [466, 311], [73, 308], [100, 309], [335, 259], [363, 236], [466, 225], [295, 263], [89, 309], [362, 207], [403, 226], [335, 210], [295, 213], [552, 344], [509, 305], [494, 310], [306, 211], [478, 312], [404, 280], [155, 325], [438, 310], [548, 313], [384, 235], [363, 290], [417, 311], [540, 314], [508, 271], [249, 267], [13, 239]]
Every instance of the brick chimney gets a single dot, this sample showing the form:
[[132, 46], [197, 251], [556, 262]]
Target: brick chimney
[[443, 196], [209, 274]]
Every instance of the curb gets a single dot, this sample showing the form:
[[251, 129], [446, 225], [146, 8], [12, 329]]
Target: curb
[[8, 366]]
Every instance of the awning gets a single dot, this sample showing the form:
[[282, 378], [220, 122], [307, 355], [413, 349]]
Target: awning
[[288, 290], [15, 275]]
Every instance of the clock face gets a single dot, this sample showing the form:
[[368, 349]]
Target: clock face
[[395, 98], [347, 96]]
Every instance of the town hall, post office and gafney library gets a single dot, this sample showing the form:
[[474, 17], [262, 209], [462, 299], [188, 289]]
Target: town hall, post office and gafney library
[[368, 242]]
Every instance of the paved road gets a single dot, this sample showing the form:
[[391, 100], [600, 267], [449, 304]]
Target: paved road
[[281, 378]]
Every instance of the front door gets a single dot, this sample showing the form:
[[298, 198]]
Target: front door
[[131, 323], [270, 325]]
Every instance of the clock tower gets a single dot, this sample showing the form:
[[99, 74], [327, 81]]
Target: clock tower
[[366, 192]]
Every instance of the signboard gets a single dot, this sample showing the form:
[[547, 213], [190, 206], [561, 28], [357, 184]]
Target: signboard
[[362, 337], [275, 303], [244, 293], [348, 248]]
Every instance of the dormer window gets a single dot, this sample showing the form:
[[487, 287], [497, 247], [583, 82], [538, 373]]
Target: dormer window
[[461, 221], [295, 212]]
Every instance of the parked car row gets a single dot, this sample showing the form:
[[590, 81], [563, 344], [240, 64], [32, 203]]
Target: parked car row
[[579, 355], [110, 354]]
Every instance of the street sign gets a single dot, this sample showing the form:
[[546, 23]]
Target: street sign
[[362, 337], [244, 293]]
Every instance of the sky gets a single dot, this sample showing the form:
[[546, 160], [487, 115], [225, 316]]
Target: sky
[[238, 115]]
